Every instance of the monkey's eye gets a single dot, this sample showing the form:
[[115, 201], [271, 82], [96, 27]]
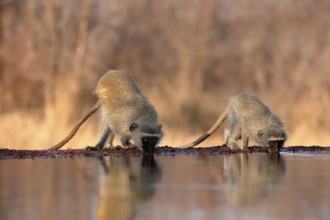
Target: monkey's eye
[[133, 126]]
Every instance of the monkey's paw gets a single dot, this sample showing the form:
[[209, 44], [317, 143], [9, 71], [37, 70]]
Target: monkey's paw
[[118, 147], [92, 148]]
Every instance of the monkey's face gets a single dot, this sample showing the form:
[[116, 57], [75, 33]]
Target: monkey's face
[[272, 137], [146, 138], [149, 143], [275, 145]]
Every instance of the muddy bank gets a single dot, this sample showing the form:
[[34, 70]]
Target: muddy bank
[[165, 150]]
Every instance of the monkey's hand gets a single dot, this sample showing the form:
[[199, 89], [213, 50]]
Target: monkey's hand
[[93, 148], [118, 147]]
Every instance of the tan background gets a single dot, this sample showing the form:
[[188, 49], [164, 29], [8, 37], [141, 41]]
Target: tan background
[[188, 57]]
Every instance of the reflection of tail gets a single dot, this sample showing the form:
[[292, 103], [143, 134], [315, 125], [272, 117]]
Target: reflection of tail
[[75, 128], [214, 127]]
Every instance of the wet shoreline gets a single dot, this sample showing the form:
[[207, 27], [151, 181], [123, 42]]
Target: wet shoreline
[[164, 150]]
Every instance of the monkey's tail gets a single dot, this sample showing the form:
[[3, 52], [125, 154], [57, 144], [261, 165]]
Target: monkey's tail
[[207, 134], [75, 128]]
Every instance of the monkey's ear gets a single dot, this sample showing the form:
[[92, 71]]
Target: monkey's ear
[[133, 126], [260, 133]]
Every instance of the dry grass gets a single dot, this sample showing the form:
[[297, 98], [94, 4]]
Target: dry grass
[[188, 58]]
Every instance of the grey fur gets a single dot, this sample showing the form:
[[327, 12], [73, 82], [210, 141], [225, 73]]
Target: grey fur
[[249, 119]]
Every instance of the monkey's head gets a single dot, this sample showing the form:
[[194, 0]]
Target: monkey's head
[[272, 136], [146, 136]]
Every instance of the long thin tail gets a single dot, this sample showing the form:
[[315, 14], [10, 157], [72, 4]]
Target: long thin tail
[[75, 128], [214, 127]]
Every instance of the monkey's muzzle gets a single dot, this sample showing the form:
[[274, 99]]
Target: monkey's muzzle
[[276, 145], [149, 143]]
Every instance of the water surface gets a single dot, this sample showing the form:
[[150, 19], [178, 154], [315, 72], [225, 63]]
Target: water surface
[[239, 186]]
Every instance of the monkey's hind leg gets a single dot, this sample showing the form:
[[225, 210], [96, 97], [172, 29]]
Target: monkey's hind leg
[[111, 137], [226, 135], [244, 141], [100, 145], [233, 134], [125, 141]]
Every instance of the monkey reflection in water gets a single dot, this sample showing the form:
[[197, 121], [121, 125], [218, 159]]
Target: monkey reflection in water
[[248, 178], [127, 183]]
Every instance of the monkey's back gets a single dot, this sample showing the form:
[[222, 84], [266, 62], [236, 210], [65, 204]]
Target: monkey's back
[[121, 99], [248, 105], [116, 89], [250, 110]]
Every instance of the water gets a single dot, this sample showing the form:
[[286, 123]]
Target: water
[[254, 186]]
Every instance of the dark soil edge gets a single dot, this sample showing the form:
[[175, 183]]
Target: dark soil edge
[[165, 150]]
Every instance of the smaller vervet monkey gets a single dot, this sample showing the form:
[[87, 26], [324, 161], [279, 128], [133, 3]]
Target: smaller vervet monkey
[[126, 112], [248, 119]]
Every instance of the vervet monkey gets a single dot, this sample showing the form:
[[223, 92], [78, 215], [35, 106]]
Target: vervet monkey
[[126, 112], [248, 119]]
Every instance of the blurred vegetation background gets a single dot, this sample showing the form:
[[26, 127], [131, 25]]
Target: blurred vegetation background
[[187, 56]]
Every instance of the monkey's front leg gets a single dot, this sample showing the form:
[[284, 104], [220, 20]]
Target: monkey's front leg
[[103, 139], [125, 141]]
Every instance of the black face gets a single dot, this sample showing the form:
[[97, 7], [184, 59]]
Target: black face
[[276, 144], [149, 143]]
